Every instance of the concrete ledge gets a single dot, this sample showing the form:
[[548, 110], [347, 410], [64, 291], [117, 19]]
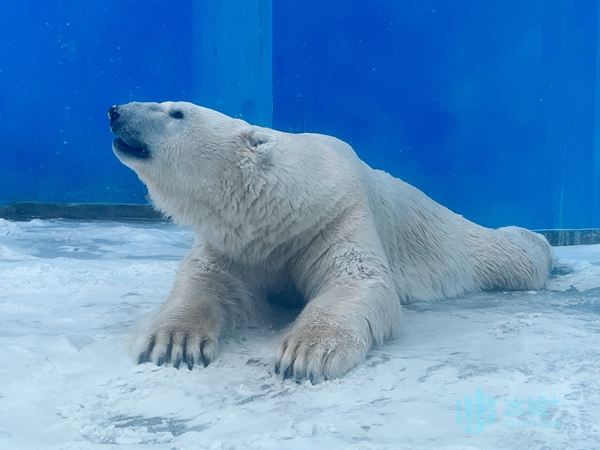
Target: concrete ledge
[[29, 211], [559, 237]]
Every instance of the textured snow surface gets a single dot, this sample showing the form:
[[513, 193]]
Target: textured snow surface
[[72, 293]]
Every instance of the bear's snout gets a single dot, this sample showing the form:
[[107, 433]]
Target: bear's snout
[[128, 143], [113, 112]]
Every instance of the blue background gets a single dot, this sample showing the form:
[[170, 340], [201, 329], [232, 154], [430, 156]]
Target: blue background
[[488, 107]]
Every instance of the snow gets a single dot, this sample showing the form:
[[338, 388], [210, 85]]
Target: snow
[[72, 294]]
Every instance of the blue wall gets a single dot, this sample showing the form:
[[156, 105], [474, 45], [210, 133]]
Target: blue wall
[[62, 64], [488, 107]]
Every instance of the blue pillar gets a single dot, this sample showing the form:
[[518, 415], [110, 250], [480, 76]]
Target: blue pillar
[[596, 149], [232, 58]]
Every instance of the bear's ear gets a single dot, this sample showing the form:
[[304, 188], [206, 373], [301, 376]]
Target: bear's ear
[[259, 140]]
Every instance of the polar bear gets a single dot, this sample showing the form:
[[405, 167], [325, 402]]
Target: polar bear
[[300, 215]]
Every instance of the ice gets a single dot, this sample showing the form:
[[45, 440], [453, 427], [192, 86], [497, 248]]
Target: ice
[[71, 293]]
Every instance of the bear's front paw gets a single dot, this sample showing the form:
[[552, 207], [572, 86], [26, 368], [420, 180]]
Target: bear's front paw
[[178, 344], [319, 351]]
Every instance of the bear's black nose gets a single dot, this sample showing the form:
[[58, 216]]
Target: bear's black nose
[[113, 113]]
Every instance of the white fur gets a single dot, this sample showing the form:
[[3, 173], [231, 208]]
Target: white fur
[[277, 212]]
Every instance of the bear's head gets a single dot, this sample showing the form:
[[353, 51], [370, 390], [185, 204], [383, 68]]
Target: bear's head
[[191, 158]]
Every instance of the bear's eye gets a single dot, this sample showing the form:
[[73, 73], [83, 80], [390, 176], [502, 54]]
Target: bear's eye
[[177, 114]]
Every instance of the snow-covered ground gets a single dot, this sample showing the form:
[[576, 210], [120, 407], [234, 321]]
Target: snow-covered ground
[[489, 371]]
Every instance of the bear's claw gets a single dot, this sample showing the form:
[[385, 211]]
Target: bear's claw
[[298, 376], [319, 351], [179, 349], [146, 355]]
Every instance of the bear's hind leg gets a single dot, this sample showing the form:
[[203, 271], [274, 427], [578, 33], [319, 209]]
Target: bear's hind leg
[[511, 258]]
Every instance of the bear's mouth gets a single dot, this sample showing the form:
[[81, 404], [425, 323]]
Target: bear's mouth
[[120, 146]]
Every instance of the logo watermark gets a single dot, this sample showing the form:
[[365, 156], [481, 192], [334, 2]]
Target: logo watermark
[[478, 413], [537, 410]]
